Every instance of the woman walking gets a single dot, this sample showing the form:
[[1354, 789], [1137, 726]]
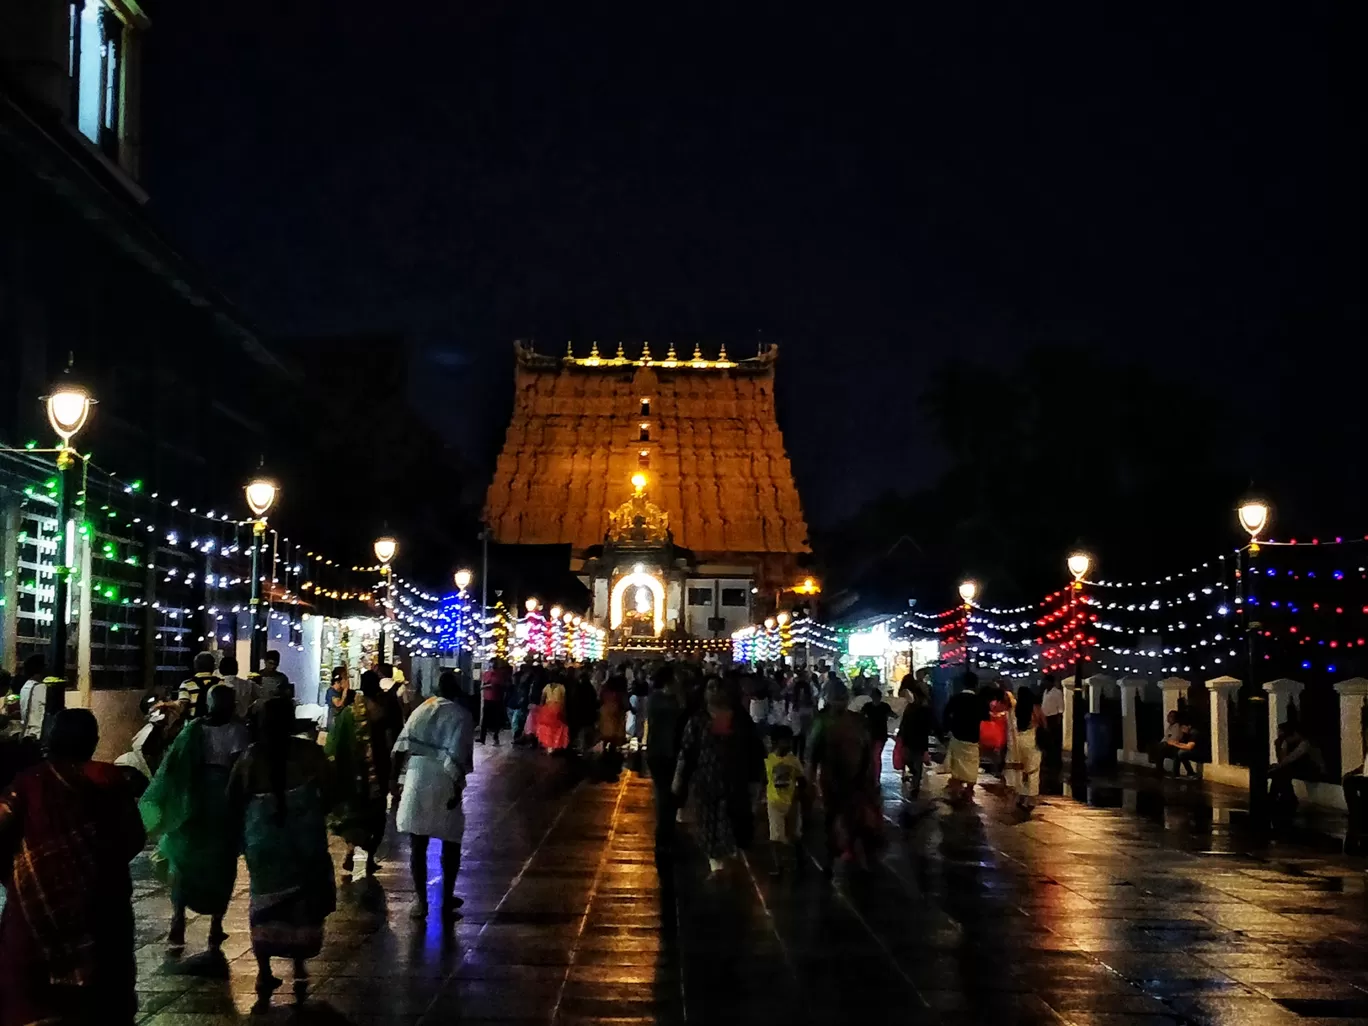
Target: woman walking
[[613, 712], [435, 748], [187, 804], [1023, 748], [66, 935], [841, 757], [279, 792], [359, 747], [552, 730], [718, 760]]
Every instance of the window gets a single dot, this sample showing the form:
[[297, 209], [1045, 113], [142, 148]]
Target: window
[[700, 596], [645, 433], [733, 596], [96, 42], [645, 407]]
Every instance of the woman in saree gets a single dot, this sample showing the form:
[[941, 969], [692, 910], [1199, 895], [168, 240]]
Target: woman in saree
[[359, 748], [66, 935], [279, 793], [552, 730], [720, 756], [187, 804]]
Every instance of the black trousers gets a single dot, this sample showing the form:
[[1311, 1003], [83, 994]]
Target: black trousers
[[666, 804]]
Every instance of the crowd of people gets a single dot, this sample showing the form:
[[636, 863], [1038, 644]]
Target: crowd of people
[[222, 770]]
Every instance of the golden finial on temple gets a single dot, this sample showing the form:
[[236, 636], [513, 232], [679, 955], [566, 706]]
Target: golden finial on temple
[[570, 350], [593, 351], [698, 351], [722, 355], [671, 355], [621, 353]]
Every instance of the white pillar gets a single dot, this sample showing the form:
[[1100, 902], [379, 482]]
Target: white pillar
[[1220, 690], [1098, 686], [1281, 694], [1130, 733], [1070, 688], [1353, 693], [1173, 688], [84, 681]]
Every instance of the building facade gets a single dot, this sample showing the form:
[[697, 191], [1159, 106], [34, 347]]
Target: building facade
[[665, 476]]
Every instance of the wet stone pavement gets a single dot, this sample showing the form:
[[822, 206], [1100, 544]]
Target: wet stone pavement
[[1154, 910]]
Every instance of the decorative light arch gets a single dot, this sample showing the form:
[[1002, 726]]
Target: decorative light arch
[[639, 579]]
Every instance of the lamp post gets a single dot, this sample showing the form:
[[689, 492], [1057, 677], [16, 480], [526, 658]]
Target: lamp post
[[968, 590], [68, 408], [261, 496], [385, 550], [1079, 563], [1253, 517]]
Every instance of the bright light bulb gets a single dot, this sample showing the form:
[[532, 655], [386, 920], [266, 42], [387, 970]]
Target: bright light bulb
[[463, 578], [769, 623], [782, 618], [639, 482], [1079, 564], [1253, 517], [967, 591], [261, 493], [532, 605], [555, 612], [67, 408], [385, 548]]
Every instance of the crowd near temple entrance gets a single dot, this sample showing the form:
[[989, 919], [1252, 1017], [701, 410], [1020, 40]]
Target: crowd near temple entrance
[[367, 658]]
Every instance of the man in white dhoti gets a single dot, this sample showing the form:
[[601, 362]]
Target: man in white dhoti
[[437, 747]]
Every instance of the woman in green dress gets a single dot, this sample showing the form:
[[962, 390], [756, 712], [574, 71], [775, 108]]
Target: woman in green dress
[[279, 794], [187, 805], [359, 747]]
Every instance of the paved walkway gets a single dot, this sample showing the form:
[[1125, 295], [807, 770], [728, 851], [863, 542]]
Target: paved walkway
[[1082, 915]]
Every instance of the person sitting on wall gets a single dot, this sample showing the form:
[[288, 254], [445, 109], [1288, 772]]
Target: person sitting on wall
[[1297, 759], [1178, 744]]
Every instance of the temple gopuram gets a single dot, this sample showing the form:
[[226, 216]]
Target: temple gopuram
[[667, 478]]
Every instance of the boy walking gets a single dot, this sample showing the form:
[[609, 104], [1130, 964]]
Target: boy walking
[[783, 777]]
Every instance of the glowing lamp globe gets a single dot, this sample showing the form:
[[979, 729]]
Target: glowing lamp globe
[[67, 408], [385, 548], [261, 495], [639, 482], [1253, 517], [532, 605], [967, 591], [1079, 563], [782, 618], [769, 623], [556, 612], [463, 578]]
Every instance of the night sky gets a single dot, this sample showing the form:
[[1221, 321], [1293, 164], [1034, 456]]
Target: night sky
[[1177, 185]]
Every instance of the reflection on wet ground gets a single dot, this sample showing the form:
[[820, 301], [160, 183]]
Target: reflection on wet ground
[[1142, 902]]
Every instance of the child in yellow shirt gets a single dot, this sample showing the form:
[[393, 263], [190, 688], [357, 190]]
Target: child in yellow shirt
[[783, 781]]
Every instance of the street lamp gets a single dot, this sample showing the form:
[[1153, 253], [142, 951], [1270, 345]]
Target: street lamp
[[68, 408], [967, 591], [1079, 564], [261, 496], [463, 579], [1253, 515], [782, 618], [385, 550], [639, 482], [531, 605]]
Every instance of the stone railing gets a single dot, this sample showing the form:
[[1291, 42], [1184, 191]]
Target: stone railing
[[1282, 694]]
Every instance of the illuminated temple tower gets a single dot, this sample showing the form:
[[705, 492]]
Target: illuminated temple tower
[[713, 528]]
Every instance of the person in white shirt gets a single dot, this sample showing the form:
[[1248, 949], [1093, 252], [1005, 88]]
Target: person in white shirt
[[436, 747], [33, 698], [1052, 708]]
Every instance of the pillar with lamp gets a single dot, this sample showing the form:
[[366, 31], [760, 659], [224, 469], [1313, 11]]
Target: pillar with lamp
[[261, 495], [1253, 516], [968, 591], [1079, 563], [783, 619], [386, 548], [465, 620], [68, 408]]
